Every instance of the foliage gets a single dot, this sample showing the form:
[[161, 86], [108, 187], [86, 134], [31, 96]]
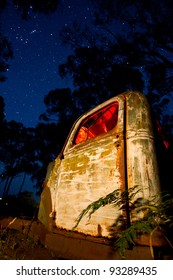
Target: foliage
[[22, 151], [3, 4], [21, 205], [127, 40], [46, 147], [15, 245], [25, 9], [18, 242], [2, 110], [94, 206], [128, 45], [59, 106], [116, 197], [17, 153], [6, 53], [156, 215], [98, 76], [39, 6]]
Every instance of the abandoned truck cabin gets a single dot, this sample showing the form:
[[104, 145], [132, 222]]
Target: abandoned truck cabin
[[111, 147]]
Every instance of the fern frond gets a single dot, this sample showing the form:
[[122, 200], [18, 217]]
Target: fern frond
[[111, 198]]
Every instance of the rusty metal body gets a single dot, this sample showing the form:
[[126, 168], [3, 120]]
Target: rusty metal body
[[120, 159]]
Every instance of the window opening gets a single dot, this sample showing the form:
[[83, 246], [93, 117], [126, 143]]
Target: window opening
[[162, 136], [100, 122]]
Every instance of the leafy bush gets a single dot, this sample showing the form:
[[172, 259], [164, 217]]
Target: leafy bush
[[151, 216]]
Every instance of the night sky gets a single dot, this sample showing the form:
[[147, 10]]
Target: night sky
[[38, 51]]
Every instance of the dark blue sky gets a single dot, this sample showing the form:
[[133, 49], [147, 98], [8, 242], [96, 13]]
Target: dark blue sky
[[37, 53]]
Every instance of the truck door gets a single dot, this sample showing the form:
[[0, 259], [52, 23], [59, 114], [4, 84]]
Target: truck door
[[91, 167]]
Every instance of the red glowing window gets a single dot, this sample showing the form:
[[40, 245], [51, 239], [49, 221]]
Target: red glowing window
[[100, 122], [159, 129]]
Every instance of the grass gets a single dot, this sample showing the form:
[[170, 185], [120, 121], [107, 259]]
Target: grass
[[18, 245], [14, 244]]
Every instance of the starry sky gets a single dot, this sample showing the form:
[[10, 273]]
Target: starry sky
[[38, 51]]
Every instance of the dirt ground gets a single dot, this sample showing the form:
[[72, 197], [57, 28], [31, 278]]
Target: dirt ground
[[16, 246], [22, 239]]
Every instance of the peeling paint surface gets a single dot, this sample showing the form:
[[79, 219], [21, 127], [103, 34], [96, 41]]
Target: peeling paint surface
[[119, 159], [141, 155], [85, 176]]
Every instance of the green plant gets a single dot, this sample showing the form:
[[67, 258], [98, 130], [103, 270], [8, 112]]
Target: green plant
[[150, 216]]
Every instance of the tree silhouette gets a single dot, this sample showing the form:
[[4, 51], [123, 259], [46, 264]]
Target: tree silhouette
[[107, 61], [39, 6], [97, 76], [59, 105], [5, 54], [128, 47], [2, 110], [3, 4], [17, 154], [46, 144], [25, 9], [135, 39], [51, 132], [61, 112]]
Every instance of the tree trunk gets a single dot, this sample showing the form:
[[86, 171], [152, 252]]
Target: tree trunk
[[22, 184], [5, 187], [10, 180]]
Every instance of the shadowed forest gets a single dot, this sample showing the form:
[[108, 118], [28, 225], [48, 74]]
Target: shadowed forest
[[128, 46]]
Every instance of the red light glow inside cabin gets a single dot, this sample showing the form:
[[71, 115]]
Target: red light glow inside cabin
[[98, 123]]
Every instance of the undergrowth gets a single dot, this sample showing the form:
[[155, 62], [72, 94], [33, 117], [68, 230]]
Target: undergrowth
[[150, 216], [15, 244]]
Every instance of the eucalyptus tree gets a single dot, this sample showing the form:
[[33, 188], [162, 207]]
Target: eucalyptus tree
[[134, 41]]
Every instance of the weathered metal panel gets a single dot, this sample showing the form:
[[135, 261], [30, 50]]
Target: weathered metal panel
[[46, 213], [100, 165], [86, 175], [87, 172], [142, 168]]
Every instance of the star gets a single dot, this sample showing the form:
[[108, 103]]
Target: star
[[33, 31], [37, 53]]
